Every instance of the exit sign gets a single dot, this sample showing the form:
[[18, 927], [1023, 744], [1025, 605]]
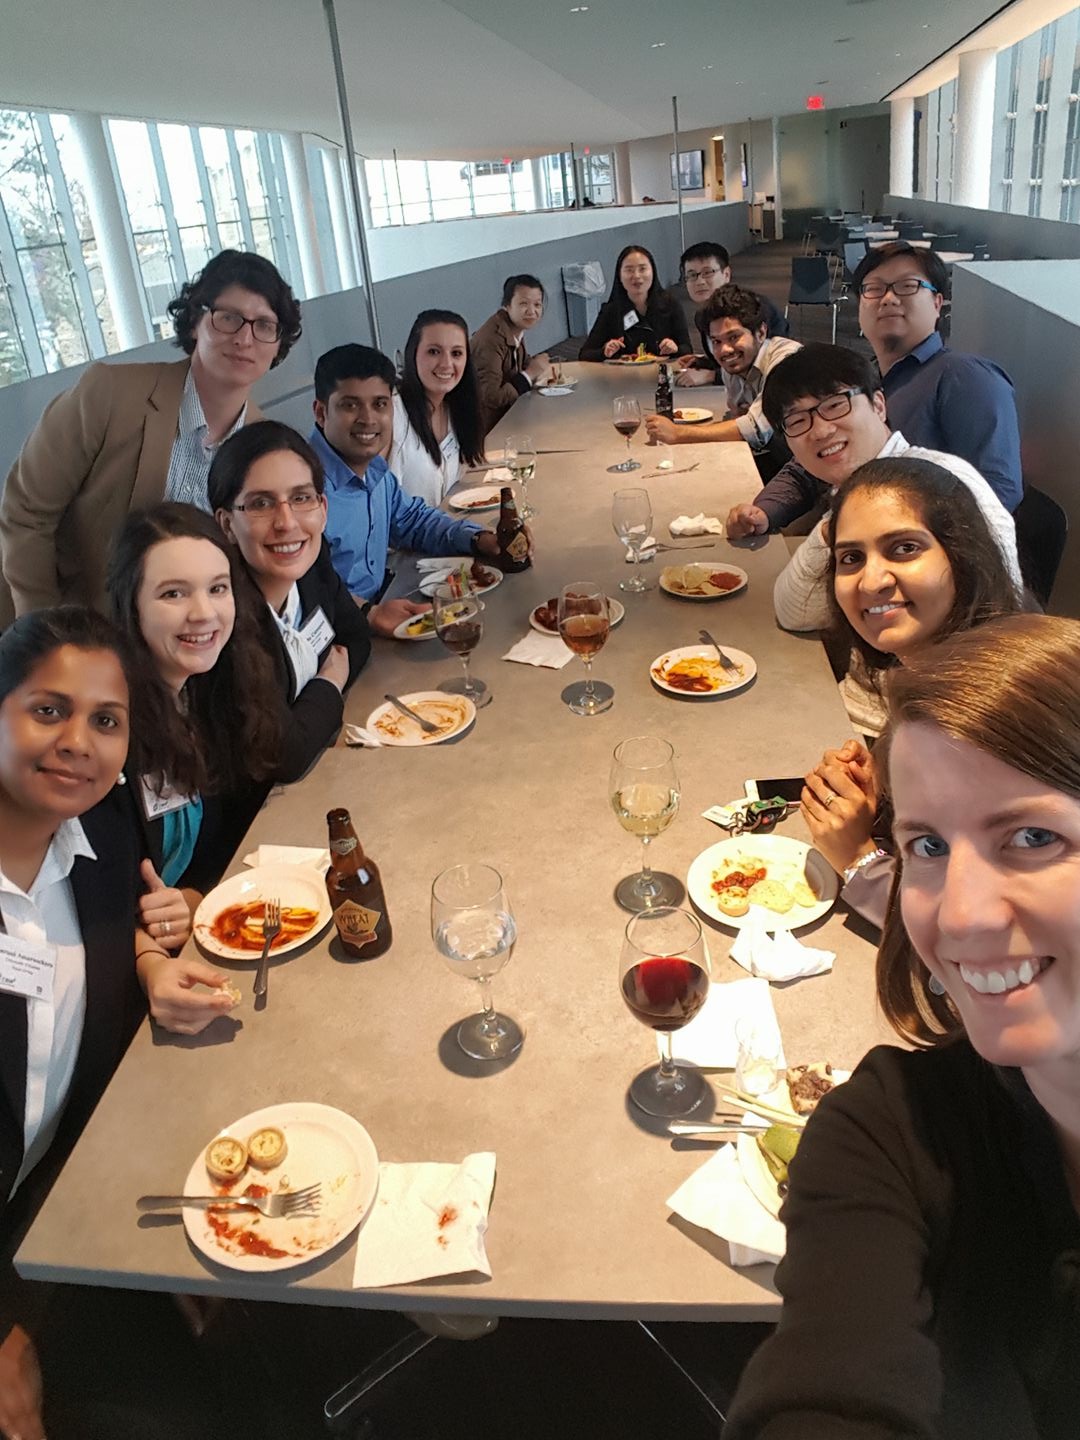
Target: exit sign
[[815, 102]]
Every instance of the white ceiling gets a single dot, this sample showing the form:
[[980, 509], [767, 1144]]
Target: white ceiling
[[473, 78]]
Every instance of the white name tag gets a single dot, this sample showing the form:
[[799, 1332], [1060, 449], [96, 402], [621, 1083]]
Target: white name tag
[[156, 805], [318, 631], [27, 967], [630, 319]]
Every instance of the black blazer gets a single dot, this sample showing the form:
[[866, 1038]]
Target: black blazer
[[663, 320]]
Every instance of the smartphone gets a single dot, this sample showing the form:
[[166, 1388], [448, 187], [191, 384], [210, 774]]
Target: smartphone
[[789, 789]]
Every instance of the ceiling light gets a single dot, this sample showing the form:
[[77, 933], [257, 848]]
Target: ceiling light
[[658, 45], [578, 9], [845, 39], [720, 137], [706, 67]]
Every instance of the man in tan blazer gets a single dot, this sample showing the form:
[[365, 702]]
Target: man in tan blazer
[[503, 368], [127, 436]]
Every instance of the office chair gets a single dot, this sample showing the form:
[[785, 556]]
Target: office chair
[[945, 242], [1042, 528], [910, 230], [811, 284]]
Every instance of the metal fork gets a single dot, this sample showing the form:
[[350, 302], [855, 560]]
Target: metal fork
[[425, 725], [289, 1202], [271, 927], [727, 663]]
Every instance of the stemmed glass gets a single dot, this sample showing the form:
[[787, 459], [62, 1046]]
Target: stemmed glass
[[626, 416], [474, 931], [645, 797], [664, 979], [520, 455], [459, 624], [631, 517], [584, 623]]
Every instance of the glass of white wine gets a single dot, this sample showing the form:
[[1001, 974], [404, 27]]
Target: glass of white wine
[[520, 455], [644, 792]]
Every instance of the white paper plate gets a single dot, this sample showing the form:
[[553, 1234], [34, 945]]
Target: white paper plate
[[393, 728], [786, 860], [293, 885], [744, 580], [401, 632], [463, 499], [428, 585], [324, 1145], [691, 415], [616, 614], [703, 652]]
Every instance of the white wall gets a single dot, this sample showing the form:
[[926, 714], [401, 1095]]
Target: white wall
[[758, 136], [650, 164]]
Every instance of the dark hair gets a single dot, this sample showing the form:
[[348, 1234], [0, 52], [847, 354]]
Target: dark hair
[[931, 265], [351, 362], [235, 267], [239, 453], [705, 250], [732, 302], [618, 289], [34, 637], [949, 510], [463, 402], [1011, 688], [232, 728], [818, 371], [514, 283]]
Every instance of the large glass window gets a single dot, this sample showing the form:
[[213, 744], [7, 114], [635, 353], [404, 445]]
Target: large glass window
[[1042, 108], [1070, 180]]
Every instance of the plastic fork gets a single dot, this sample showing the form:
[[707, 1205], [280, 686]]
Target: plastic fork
[[274, 1207], [271, 927]]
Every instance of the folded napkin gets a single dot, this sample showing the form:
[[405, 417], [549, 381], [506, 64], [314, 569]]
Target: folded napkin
[[358, 735], [500, 475], [779, 956], [717, 1198], [537, 649], [709, 1040], [648, 550], [288, 855], [696, 525], [427, 1220]]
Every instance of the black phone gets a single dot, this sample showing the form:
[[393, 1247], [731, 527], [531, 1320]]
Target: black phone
[[789, 789]]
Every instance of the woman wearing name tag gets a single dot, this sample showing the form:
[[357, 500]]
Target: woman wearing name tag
[[438, 424], [639, 311], [266, 489]]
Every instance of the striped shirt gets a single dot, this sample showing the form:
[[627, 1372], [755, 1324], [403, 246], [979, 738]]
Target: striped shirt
[[192, 452]]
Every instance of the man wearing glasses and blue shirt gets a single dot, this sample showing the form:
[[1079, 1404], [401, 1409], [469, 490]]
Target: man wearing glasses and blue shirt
[[938, 397]]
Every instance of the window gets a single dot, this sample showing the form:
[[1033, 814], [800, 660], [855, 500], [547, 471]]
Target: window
[[1070, 180], [1042, 109], [1011, 110]]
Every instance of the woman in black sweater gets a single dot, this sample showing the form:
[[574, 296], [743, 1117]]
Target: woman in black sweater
[[637, 312]]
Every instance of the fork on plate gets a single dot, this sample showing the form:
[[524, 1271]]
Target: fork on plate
[[271, 928], [274, 1207], [425, 725], [725, 660]]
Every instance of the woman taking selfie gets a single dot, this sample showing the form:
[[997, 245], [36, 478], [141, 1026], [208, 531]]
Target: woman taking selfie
[[438, 426], [639, 311], [932, 1279]]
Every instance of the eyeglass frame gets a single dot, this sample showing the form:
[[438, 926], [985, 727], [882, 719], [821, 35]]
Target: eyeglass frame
[[848, 395], [213, 310], [888, 285], [275, 504], [690, 276]]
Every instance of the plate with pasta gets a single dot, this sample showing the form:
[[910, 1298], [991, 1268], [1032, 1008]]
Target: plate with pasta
[[228, 922]]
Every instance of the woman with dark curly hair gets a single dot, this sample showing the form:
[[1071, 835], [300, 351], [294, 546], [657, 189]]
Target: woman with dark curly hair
[[127, 436], [438, 425]]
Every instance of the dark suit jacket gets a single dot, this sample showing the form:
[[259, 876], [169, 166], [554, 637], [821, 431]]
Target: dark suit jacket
[[500, 363]]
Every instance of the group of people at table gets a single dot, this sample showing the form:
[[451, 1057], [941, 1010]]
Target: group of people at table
[[932, 1280]]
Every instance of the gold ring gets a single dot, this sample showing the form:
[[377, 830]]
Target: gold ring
[[829, 799]]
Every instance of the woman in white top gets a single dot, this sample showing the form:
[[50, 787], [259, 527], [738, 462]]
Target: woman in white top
[[438, 427]]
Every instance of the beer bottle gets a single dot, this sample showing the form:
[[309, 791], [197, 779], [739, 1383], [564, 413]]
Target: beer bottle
[[356, 893], [665, 403], [510, 532]]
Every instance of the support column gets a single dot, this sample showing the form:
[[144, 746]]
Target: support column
[[974, 128], [339, 218], [624, 188], [902, 147], [777, 197], [108, 215], [307, 235]]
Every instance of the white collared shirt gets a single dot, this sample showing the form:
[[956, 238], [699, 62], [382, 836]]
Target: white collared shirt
[[414, 467], [302, 654], [744, 391], [47, 915], [192, 452]]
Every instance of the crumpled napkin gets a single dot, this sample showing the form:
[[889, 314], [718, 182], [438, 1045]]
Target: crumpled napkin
[[500, 475], [709, 1040], [648, 550], [288, 855], [427, 1220], [537, 649], [433, 572], [717, 1198], [358, 735], [696, 525], [777, 956]]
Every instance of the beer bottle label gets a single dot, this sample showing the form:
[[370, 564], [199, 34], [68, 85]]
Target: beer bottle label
[[356, 923], [345, 846], [518, 547]]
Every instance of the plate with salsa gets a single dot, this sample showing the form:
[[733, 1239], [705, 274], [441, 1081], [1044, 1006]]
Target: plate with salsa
[[800, 885], [694, 670], [322, 1145], [703, 582], [228, 922]]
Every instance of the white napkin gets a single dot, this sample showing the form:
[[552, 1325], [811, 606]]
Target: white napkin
[[500, 475], [427, 1220], [709, 1040], [718, 1199], [779, 956], [433, 572], [537, 649], [696, 525], [288, 855], [648, 550], [358, 735]]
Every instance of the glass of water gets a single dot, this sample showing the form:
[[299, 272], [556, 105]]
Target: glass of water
[[520, 454], [474, 931]]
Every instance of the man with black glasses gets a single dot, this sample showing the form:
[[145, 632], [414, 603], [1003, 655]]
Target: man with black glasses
[[705, 269], [938, 397]]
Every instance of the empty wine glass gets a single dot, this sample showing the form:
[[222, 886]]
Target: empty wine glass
[[459, 624], [520, 455], [644, 792], [631, 517], [474, 931], [584, 623], [626, 416], [664, 979]]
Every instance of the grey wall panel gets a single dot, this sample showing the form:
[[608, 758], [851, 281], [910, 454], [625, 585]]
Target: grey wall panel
[[1010, 237]]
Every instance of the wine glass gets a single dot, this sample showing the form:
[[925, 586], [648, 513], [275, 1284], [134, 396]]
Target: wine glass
[[631, 517], [626, 415], [584, 623], [474, 931], [520, 455], [664, 979], [645, 797], [459, 624]]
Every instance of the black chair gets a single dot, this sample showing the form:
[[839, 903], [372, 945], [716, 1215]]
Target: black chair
[[1042, 528], [980, 252], [855, 252], [910, 230], [811, 284], [881, 220], [945, 242]]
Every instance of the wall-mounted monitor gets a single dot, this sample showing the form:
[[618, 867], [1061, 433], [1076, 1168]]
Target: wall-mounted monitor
[[691, 170]]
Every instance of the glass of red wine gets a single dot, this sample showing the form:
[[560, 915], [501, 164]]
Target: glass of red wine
[[459, 624], [664, 979], [584, 623], [626, 417]]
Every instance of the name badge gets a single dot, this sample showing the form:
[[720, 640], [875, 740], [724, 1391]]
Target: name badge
[[156, 805], [27, 967], [318, 631], [630, 319]]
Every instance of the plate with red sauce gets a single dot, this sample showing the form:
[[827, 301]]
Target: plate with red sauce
[[694, 670], [228, 922], [703, 582], [323, 1145], [747, 859]]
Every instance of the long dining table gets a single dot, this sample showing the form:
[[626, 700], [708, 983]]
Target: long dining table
[[579, 1227]]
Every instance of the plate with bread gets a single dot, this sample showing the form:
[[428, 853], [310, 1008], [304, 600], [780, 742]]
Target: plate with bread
[[775, 876]]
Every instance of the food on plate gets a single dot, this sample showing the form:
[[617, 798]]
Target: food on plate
[[471, 575], [734, 901], [547, 615], [226, 1159], [772, 895], [482, 502], [422, 625], [804, 894], [807, 1084], [240, 926], [778, 1146], [447, 715], [696, 674], [700, 580], [267, 1147], [641, 356], [746, 880]]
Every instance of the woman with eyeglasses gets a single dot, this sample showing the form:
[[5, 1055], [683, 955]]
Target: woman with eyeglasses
[[638, 311], [438, 422], [931, 1283], [266, 487], [127, 436]]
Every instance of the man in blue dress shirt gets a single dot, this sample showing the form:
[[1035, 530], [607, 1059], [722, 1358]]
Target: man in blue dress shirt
[[939, 398], [368, 512]]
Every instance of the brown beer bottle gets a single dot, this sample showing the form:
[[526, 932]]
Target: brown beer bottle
[[356, 893], [665, 401], [510, 532]]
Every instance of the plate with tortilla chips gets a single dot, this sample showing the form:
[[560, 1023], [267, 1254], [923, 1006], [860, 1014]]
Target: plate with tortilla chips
[[701, 581]]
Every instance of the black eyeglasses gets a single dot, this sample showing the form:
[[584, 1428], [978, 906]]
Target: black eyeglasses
[[833, 407], [905, 288], [231, 322]]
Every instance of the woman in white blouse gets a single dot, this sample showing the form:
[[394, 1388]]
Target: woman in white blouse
[[438, 427]]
